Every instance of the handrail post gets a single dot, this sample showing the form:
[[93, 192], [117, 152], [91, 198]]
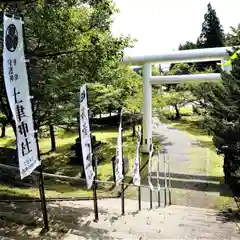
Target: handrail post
[[169, 185]]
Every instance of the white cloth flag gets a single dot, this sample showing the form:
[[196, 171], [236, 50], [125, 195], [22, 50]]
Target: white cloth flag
[[136, 166], [150, 169], [86, 137], [16, 82], [119, 157]]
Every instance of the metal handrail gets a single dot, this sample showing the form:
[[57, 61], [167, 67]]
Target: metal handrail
[[63, 177]]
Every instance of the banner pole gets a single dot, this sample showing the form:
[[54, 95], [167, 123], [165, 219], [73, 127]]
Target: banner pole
[[123, 168], [79, 130], [41, 181], [169, 185], [165, 181], [43, 199], [150, 175], [95, 201], [94, 160], [139, 199], [139, 188], [151, 205], [159, 199], [123, 194], [158, 179]]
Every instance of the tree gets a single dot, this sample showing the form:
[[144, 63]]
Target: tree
[[212, 35], [155, 70], [179, 69], [201, 91], [133, 106], [178, 94], [223, 115], [103, 98], [129, 84], [178, 98], [187, 46], [233, 37], [68, 43]]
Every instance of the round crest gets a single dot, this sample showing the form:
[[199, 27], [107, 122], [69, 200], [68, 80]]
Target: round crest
[[11, 38]]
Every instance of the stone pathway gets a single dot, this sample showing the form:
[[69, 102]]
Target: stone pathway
[[173, 222], [74, 221], [189, 163]]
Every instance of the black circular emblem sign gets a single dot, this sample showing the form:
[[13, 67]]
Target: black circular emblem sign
[[11, 38]]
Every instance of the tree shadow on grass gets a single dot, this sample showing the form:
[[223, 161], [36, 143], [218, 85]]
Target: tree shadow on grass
[[21, 220], [58, 164], [52, 162], [192, 176], [54, 186], [195, 182], [190, 124], [12, 185], [59, 150], [8, 156]]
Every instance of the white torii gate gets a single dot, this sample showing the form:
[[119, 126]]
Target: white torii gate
[[196, 55]]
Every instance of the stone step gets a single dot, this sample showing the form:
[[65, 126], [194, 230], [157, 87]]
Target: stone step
[[110, 235], [151, 222], [173, 222], [109, 205]]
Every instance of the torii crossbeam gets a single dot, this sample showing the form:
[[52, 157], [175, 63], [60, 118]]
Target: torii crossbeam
[[196, 55]]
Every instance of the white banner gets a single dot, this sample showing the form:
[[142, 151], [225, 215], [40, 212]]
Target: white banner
[[16, 82], [136, 166], [150, 169], [119, 157], [86, 137]]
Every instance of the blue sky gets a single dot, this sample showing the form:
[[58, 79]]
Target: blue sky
[[161, 25]]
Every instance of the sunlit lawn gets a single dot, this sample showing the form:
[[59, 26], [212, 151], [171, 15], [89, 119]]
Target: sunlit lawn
[[57, 162]]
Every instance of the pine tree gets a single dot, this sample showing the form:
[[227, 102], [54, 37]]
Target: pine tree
[[212, 35], [187, 46], [223, 115]]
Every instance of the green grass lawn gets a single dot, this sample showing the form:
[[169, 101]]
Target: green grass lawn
[[109, 150], [185, 111], [57, 162]]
